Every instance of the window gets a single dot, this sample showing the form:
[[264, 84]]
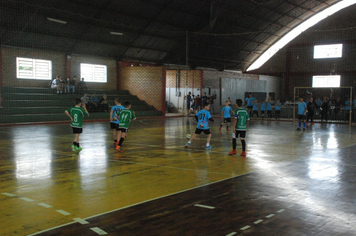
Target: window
[[328, 51], [28, 68], [93, 73], [329, 81]]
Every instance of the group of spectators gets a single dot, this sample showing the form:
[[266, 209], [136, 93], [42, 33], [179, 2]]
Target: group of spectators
[[194, 103], [94, 104], [69, 85]]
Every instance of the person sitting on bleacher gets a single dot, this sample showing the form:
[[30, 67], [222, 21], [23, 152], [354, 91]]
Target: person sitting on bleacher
[[56, 84], [70, 85], [82, 86], [94, 102], [103, 103], [63, 83]]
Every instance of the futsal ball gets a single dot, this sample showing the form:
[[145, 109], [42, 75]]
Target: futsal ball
[[188, 136]]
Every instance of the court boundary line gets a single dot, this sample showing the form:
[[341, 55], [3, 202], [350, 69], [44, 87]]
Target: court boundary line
[[139, 203]]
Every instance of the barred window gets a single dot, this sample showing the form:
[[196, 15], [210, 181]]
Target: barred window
[[93, 73], [29, 68], [326, 81]]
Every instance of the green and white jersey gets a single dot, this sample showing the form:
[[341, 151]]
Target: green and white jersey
[[126, 116], [77, 114], [242, 117]]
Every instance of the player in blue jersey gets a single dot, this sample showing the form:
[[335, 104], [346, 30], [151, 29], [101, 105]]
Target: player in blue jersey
[[302, 110], [263, 109], [114, 122], [269, 108], [255, 108], [226, 115], [203, 117], [278, 109], [250, 100]]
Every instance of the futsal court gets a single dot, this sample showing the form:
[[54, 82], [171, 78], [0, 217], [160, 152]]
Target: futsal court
[[290, 182]]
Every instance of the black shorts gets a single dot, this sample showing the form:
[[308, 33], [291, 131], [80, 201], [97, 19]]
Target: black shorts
[[199, 131], [227, 120], [77, 130], [249, 107], [262, 112], [302, 117], [240, 133], [114, 126], [123, 130], [269, 112], [278, 112]]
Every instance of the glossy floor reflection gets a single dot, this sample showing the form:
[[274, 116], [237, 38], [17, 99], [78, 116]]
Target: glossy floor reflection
[[310, 175]]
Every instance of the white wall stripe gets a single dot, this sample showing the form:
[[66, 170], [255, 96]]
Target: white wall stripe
[[98, 231], [9, 194], [27, 199], [270, 215], [44, 205], [81, 221], [204, 206], [63, 212], [281, 210], [246, 227]]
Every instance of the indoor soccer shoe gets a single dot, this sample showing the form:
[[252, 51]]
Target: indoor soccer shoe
[[187, 145], [73, 148], [118, 147], [232, 152], [78, 149], [243, 154], [209, 148]]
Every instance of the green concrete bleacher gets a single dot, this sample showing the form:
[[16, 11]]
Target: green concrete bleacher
[[24, 105]]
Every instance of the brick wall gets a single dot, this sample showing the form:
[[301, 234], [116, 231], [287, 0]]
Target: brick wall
[[145, 82], [194, 78], [111, 71], [9, 66]]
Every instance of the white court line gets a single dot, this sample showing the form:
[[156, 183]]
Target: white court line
[[27, 199], [81, 221], [44, 205], [204, 206], [245, 227], [257, 221], [98, 231], [136, 204], [9, 194], [280, 211], [231, 234], [270, 215], [63, 212]]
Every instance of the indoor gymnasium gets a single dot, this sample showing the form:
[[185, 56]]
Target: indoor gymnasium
[[199, 117]]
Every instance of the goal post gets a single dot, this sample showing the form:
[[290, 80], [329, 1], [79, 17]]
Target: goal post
[[334, 105]]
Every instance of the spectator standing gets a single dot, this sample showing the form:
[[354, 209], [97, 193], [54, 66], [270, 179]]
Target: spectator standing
[[197, 103], [250, 100], [204, 99], [189, 98], [324, 109], [311, 106]]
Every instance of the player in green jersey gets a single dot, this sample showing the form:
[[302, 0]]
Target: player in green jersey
[[125, 116], [76, 115], [240, 122]]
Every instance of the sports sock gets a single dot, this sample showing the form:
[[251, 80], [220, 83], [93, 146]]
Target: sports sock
[[207, 144], [75, 143], [234, 143], [305, 124], [189, 141], [220, 125], [115, 141], [243, 143], [300, 124], [121, 141], [227, 126]]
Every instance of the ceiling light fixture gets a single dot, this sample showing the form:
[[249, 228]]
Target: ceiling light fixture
[[116, 33], [298, 30], [57, 21]]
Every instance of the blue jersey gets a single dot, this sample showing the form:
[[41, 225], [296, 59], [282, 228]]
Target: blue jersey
[[347, 103], [301, 108], [318, 103], [227, 111], [249, 101], [263, 107], [203, 117], [255, 107], [115, 110], [278, 106], [269, 106]]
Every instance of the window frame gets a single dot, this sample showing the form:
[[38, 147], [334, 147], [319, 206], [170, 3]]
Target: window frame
[[36, 71], [95, 67], [327, 85], [328, 49]]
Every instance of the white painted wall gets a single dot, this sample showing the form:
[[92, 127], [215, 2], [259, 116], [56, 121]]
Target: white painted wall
[[273, 84]]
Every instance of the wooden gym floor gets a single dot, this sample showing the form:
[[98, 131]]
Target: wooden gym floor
[[290, 183]]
